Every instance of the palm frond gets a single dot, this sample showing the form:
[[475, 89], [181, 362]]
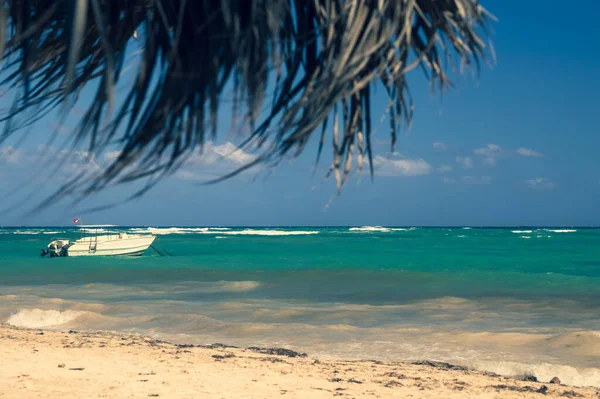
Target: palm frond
[[321, 54]]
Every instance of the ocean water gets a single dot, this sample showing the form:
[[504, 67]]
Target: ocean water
[[513, 301]]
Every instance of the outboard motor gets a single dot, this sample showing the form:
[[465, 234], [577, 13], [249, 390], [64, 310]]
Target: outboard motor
[[64, 251], [57, 248], [52, 250]]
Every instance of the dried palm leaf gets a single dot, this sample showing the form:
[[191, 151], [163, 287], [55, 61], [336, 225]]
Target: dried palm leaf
[[324, 54]]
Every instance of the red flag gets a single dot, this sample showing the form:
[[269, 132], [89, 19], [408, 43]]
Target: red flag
[[76, 220]]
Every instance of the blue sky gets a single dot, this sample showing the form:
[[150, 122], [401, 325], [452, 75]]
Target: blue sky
[[518, 146]]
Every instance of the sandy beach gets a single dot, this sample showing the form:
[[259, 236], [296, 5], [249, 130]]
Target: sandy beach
[[70, 364]]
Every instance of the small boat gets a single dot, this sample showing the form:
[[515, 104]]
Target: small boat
[[117, 243]]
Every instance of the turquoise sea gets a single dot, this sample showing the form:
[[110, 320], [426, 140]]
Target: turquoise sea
[[509, 300]]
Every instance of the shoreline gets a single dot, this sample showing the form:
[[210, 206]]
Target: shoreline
[[38, 363]]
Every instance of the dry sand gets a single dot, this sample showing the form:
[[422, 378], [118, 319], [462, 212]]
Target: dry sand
[[51, 364]]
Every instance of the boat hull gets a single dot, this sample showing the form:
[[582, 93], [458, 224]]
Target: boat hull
[[109, 246]]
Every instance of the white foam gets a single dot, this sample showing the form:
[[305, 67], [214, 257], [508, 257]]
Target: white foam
[[27, 232], [252, 232], [399, 229], [525, 236], [235, 286], [561, 230], [171, 230], [52, 232], [522, 231], [38, 318], [220, 237], [213, 287], [221, 231], [467, 228], [544, 372], [371, 229]]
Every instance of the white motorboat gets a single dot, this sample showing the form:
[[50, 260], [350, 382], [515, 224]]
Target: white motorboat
[[117, 243]]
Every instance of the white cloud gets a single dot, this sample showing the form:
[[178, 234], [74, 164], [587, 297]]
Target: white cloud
[[476, 180], [79, 156], [227, 152], [465, 162], [526, 152], [10, 154], [230, 152], [77, 161], [448, 180], [214, 161], [445, 168], [440, 146], [541, 183], [490, 150], [490, 153], [401, 167], [70, 161], [109, 157]]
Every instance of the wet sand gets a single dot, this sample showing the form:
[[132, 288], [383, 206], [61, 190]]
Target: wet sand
[[70, 364]]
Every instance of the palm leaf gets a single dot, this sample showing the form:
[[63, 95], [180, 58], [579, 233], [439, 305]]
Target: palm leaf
[[322, 54]]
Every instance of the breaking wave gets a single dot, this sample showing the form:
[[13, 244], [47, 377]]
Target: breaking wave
[[33, 232], [269, 232], [233, 286], [171, 230], [371, 229], [522, 231], [38, 318], [221, 231], [544, 372], [561, 230], [379, 229]]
